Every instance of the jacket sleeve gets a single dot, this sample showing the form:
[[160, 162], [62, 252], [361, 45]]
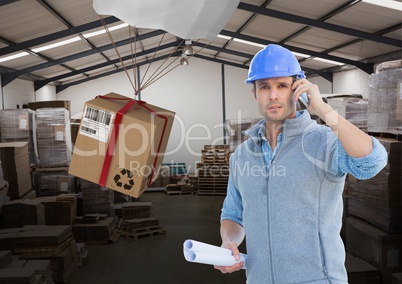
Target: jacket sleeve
[[232, 205], [361, 168]]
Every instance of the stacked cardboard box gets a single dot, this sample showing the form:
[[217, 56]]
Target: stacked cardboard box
[[3, 187], [53, 137], [4, 198], [373, 230], [234, 130], [74, 127], [352, 108], [95, 229], [385, 101], [18, 125], [137, 221], [50, 104], [378, 200], [54, 243], [53, 181], [16, 169], [20, 270], [136, 210], [360, 271], [96, 199], [18, 213], [60, 209], [382, 250]]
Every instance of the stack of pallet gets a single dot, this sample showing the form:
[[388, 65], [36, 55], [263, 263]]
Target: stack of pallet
[[137, 221], [213, 171]]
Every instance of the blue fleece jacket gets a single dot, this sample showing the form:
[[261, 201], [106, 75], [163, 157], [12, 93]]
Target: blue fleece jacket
[[290, 204]]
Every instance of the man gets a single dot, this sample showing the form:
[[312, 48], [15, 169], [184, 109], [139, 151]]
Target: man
[[286, 181]]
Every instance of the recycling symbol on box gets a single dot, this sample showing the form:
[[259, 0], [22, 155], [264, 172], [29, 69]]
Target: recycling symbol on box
[[124, 179]]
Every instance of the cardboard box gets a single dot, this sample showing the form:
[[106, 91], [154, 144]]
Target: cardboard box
[[375, 246], [50, 104], [139, 147]]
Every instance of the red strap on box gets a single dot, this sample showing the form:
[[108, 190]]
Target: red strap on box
[[115, 133]]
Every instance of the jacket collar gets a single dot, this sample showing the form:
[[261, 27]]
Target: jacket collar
[[291, 127]]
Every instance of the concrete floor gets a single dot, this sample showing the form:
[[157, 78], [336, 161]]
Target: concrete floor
[[159, 259]]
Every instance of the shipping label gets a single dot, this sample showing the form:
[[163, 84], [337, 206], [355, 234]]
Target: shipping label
[[97, 123]]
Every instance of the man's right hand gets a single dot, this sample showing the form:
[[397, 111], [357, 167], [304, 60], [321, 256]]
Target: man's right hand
[[235, 252]]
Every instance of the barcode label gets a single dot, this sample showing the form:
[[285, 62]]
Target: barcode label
[[97, 115], [96, 123], [88, 130]]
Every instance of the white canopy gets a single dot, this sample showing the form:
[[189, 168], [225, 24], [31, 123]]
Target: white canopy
[[187, 19]]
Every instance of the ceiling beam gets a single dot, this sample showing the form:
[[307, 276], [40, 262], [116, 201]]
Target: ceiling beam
[[322, 19], [322, 25], [364, 66], [6, 2], [55, 36], [62, 87], [12, 76], [328, 76], [225, 50], [59, 17], [215, 60], [245, 24], [41, 83]]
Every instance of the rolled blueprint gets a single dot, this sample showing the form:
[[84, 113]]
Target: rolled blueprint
[[199, 252]]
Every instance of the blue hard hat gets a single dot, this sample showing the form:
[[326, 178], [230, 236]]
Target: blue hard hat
[[273, 61]]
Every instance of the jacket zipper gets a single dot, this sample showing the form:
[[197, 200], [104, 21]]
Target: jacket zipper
[[266, 191], [324, 268]]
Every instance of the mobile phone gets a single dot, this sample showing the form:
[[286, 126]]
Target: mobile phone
[[304, 99]]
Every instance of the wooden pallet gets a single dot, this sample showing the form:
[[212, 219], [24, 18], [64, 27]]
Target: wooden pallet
[[216, 147], [212, 191], [390, 135], [140, 233], [51, 169], [112, 240], [180, 192], [213, 182], [53, 249]]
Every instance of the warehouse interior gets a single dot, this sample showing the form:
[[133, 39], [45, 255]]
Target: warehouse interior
[[59, 59]]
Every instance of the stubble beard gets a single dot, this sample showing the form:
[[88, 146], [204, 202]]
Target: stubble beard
[[278, 118]]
